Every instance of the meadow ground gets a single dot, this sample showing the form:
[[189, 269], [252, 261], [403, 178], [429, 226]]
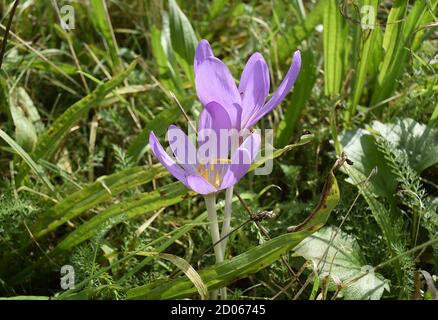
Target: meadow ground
[[349, 210]]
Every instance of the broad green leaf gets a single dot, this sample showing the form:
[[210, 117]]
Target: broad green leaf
[[360, 147], [104, 189], [48, 142], [133, 207], [183, 37], [301, 93], [340, 257], [24, 115], [222, 274], [161, 49], [335, 40], [419, 141], [327, 202], [185, 267]]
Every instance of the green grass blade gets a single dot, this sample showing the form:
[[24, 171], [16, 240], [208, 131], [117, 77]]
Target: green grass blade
[[328, 201], [334, 47], [138, 205], [104, 189], [225, 273], [159, 125], [166, 69], [398, 37], [183, 37], [49, 141], [289, 40], [369, 41], [185, 267], [28, 160], [301, 93], [100, 18]]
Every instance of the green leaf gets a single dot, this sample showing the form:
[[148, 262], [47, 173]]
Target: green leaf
[[25, 118], [340, 257], [369, 41], [161, 50], [51, 138], [419, 141], [92, 195], [185, 267], [360, 147], [301, 93], [222, 274], [133, 207], [328, 201], [101, 19], [290, 39], [183, 37], [159, 125], [398, 37], [275, 153], [335, 40], [251, 261], [28, 160], [26, 298]]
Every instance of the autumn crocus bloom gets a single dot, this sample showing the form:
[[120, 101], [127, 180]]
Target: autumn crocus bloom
[[205, 175], [244, 104]]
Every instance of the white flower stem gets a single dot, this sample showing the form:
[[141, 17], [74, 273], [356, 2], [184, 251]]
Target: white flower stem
[[210, 201], [226, 226]]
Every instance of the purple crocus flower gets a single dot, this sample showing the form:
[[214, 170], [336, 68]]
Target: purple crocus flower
[[244, 104], [202, 174]]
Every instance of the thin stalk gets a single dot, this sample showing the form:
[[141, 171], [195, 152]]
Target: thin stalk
[[8, 27], [226, 226], [210, 201], [334, 132]]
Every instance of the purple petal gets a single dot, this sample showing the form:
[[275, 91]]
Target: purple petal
[[182, 148], [214, 116], [203, 51], [252, 144], [214, 83], [280, 93], [200, 185], [254, 85], [241, 161], [166, 160], [218, 130], [237, 169]]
